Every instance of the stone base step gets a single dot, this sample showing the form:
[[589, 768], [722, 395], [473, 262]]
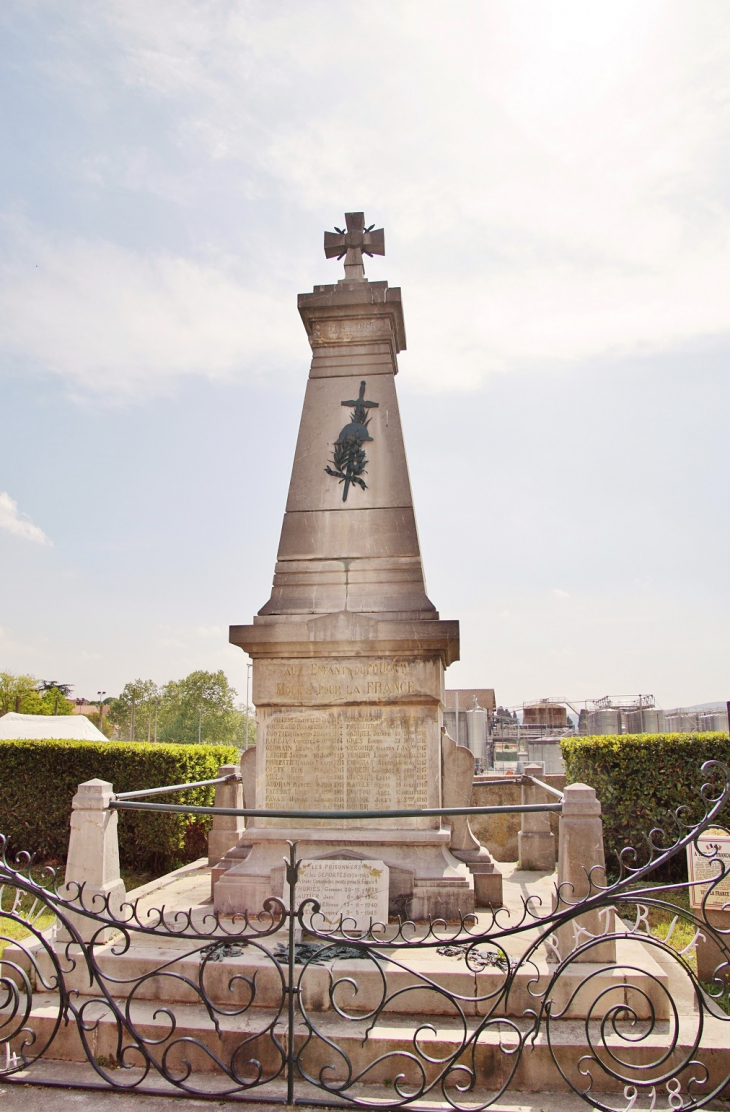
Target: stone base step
[[395, 1046], [416, 982]]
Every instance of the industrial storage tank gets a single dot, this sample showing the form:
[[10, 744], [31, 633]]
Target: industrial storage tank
[[713, 721], [647, 720], [652, 720], [554, 716], [604, 721], [476, 732], [682, 722]]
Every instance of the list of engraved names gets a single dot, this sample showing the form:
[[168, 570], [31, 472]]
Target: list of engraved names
[[339, 761]]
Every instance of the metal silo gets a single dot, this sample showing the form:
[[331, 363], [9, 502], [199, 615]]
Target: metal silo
[[605, 721], [476, 732]]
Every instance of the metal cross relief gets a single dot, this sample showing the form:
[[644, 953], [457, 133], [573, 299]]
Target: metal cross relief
[[352, 242], [348, 456]]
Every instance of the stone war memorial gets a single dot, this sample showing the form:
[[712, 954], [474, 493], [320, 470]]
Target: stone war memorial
[[419, 982], [349, 652]]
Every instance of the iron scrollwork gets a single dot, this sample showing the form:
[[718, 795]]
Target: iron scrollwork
[[291, 1007]]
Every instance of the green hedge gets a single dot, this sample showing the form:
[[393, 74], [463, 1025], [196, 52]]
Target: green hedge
[[640, 780], [38, 779]]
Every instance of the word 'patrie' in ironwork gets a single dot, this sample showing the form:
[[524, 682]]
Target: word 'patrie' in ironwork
[[348, 456]]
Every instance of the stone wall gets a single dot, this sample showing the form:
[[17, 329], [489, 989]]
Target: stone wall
[[499, 832]]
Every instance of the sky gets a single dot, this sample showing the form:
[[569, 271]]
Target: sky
[[553, 177]]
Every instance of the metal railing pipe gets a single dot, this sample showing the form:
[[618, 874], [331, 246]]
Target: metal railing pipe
[[547, 787], [120, 804], [177, 787]]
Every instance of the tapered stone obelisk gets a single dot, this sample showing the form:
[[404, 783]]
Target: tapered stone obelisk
[[349, 653]]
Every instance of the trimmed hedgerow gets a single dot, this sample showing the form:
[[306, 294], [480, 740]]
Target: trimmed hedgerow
[[38, 780], [641, 779]]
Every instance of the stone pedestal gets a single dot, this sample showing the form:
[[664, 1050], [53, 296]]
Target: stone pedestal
[[226, 829], [93, 861], [349, 652], [237, 849], [352, 733], [581, 850], [535, 841]]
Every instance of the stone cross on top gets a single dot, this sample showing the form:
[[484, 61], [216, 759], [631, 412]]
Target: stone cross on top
[[353, 243]]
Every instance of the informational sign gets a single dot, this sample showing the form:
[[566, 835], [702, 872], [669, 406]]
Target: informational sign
[[706, 860]]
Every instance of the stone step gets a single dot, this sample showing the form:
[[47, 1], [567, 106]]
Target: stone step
[[416, 981], [393, 1047]]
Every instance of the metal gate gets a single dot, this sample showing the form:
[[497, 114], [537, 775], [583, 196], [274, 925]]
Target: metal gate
[[280, 1008]]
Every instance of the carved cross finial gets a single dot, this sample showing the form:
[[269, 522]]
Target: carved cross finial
[[352, 243]]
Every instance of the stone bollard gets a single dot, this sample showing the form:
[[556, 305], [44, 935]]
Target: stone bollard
[[536, 842], [238, 849], [226, 829], [93, 860], [581, 848]]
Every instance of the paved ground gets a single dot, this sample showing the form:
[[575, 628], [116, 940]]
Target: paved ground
[[28, 1099], [19, 1097]]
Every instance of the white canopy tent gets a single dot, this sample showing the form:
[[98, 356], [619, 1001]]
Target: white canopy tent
[[40, 727]]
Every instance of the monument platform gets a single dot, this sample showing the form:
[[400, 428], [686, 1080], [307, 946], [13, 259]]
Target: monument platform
[[246, 989]]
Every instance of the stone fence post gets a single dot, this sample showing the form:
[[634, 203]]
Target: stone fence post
[[581, 848], [226, 829], [535, 841], [93, 860]]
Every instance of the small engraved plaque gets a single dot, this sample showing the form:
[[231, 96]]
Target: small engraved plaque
[[345, 889], [715, 844]]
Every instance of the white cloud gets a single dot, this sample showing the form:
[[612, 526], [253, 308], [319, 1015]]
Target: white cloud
[[560, 594], [112, 320], [19, 524], [551, 176]]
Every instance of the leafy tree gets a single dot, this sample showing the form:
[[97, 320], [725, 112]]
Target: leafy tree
[[26, 694], [146, 697], [201, 705], [91, 710], [12, 688], [54, 685], [54, 701], [241, 739]]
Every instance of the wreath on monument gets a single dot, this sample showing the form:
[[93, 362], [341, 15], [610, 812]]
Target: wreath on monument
[[348, 462]]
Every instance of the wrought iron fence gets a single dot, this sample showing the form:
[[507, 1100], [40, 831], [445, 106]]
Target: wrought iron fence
[[284, 1008]]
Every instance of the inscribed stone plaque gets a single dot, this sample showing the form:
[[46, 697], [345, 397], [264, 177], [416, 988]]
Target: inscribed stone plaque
[[335, 681], [715, 844], [343, 760], [350, 330], [349, 888]]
